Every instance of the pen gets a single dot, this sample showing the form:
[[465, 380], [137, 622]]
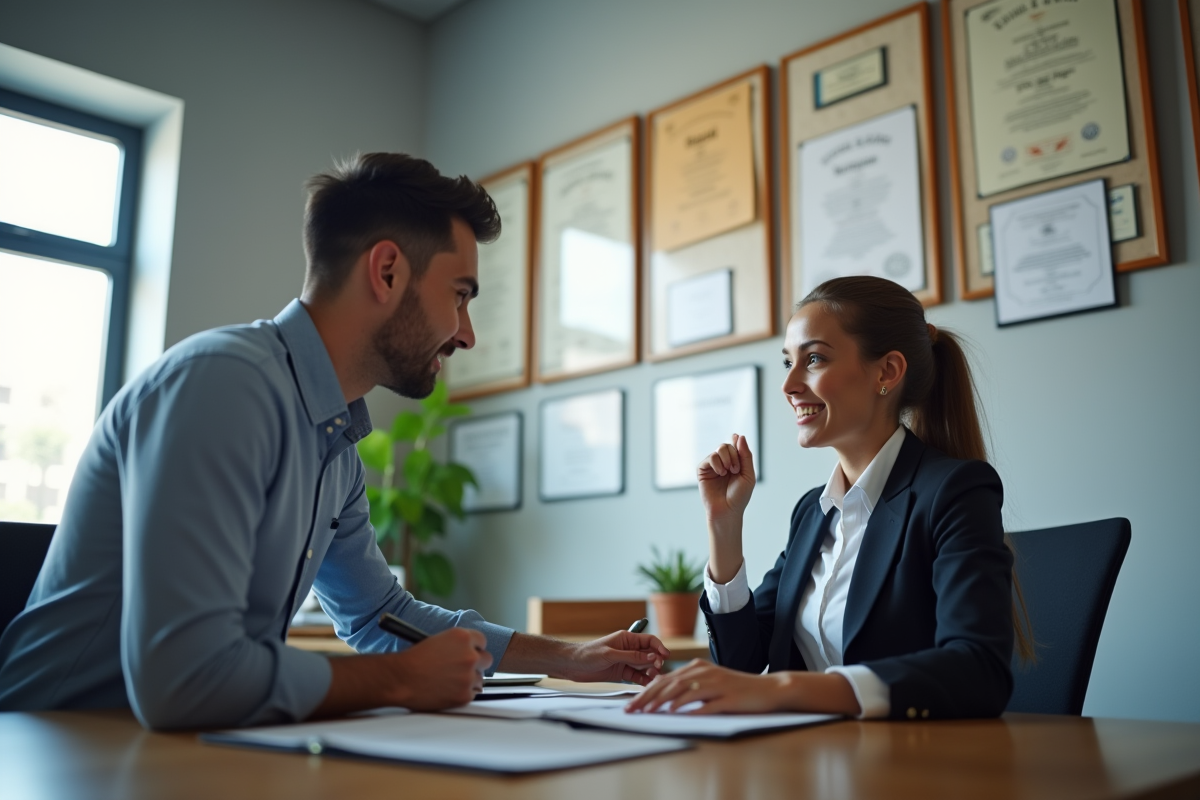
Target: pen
[[639, 626], [398, 627]]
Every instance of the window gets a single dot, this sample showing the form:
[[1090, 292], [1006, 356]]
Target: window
[[67, 201]]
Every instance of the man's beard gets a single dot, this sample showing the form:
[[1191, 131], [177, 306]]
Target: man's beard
[[406, 348]]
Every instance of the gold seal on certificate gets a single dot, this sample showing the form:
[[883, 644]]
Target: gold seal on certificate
[[703, 169], [1047, 90]]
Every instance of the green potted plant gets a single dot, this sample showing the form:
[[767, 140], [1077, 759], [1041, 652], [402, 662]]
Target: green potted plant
[[677, 583], [409, 509]]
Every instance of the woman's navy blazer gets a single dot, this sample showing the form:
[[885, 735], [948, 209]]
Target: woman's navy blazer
[[930, 603]]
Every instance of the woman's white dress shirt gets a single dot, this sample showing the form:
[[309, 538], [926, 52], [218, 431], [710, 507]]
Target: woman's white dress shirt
[[818, 628]]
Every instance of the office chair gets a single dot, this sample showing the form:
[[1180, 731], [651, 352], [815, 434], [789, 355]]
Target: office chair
[[1067, 577], [25, 545]]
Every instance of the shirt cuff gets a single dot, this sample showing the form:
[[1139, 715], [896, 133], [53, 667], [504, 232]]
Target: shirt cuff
[[873, 695], [725, 598]]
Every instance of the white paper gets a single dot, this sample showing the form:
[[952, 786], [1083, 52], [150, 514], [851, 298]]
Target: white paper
[[586, 278], [582, 445], [537, 706], [859, 209], [513, 678], [499, 315], [491, 448], [718, 726], [467, 742], [694, 414], [700, 308], [1053, 253]]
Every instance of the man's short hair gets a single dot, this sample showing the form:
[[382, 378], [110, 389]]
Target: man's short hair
[[368, 198]]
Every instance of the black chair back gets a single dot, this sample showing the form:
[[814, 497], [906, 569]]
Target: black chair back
[[1067, 576], [25, 545]]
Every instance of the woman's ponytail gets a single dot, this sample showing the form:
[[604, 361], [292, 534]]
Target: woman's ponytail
[[948, 417]]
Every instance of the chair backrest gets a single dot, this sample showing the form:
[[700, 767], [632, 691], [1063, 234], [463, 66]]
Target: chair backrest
[[25, 545], [1067, 576], [581, 617]]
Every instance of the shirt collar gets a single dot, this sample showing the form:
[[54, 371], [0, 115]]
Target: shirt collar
[[871, 482], [316, 378]]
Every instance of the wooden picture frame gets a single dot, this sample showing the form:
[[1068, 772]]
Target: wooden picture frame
[[490, 460], [1189, 25], [745, 251], [514, 190], [604, 160], [581, 445], [969, 212], [906, 81]]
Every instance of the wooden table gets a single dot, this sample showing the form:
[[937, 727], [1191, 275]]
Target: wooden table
[[106, 754], [322, 639]]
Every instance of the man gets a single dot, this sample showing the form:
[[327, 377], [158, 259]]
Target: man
[[223, 483]]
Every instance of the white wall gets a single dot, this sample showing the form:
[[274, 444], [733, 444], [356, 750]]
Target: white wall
[[273, 90], [1092, 416]]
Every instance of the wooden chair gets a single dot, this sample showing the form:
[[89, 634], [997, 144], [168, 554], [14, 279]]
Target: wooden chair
[[581, 618]]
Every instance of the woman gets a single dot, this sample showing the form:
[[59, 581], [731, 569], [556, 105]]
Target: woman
[[893, 597]]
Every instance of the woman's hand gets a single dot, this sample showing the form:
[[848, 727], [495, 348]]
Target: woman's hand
[[719, 689], [727, 480]]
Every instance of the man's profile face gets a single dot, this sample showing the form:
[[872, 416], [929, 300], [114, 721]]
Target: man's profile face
[[431, 320]]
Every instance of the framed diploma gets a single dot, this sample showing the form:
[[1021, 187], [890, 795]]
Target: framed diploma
[[860, 193], [1053, 254], [582, 446], [499, 361], [491, 447], [586, 257], [694, 414], [1189, 24], [1041, 96], [708, 229]]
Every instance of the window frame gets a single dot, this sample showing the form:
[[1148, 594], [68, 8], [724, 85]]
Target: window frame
[[116, 259]]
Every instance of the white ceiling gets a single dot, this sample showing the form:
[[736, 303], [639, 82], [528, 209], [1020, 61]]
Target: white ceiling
[[420, 10]]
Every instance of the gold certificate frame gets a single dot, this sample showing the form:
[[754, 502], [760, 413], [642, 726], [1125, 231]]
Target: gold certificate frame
[[501, 314], [726, 189], [1189, 24], [1148, 248], [904, 37], [587, 262]]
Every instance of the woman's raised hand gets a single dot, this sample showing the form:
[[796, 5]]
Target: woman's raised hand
[[727, 480]]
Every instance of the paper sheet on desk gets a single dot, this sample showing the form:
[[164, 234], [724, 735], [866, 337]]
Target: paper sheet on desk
[[462, 742], [713, 726], [536, 706], [508, 692]]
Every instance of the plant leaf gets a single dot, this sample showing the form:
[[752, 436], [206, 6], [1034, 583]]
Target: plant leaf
[[438, 398], [408, 505], [407, 426], [461, 473], [432, 523], [416, 468], [435, 573], [375, 450], [456, 410]]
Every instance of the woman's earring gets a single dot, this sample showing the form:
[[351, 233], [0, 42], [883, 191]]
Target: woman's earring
[[883, 390]]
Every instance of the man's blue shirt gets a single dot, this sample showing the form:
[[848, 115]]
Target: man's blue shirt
[[201, 513]]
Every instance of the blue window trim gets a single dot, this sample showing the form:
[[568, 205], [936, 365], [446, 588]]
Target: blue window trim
[[115, 259]]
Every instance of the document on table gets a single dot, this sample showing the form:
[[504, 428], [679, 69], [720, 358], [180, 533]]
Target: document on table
[[460, 742], [714, 726], [536, 706], [514, 678]]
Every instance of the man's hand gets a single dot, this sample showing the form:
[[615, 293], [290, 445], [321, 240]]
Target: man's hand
[[620, 656], [444, 671]]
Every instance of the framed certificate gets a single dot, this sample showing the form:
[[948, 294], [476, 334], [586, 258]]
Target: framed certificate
[[586, 257], [490, 447], [1053, 254], [500, 316], [1040, 97], [860, 192], [1189, 19], [694, 414], [582, 446], [708, 228]]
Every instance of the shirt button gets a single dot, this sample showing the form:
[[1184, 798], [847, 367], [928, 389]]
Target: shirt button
[[338, 421], [912, 713], [925, 713], [329, 429], [310, 556]]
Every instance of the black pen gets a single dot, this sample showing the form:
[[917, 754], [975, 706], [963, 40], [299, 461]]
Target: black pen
[[398, 627], [639, 626]]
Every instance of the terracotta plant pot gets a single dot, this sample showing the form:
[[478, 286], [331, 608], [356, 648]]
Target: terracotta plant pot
[[676, 612]]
